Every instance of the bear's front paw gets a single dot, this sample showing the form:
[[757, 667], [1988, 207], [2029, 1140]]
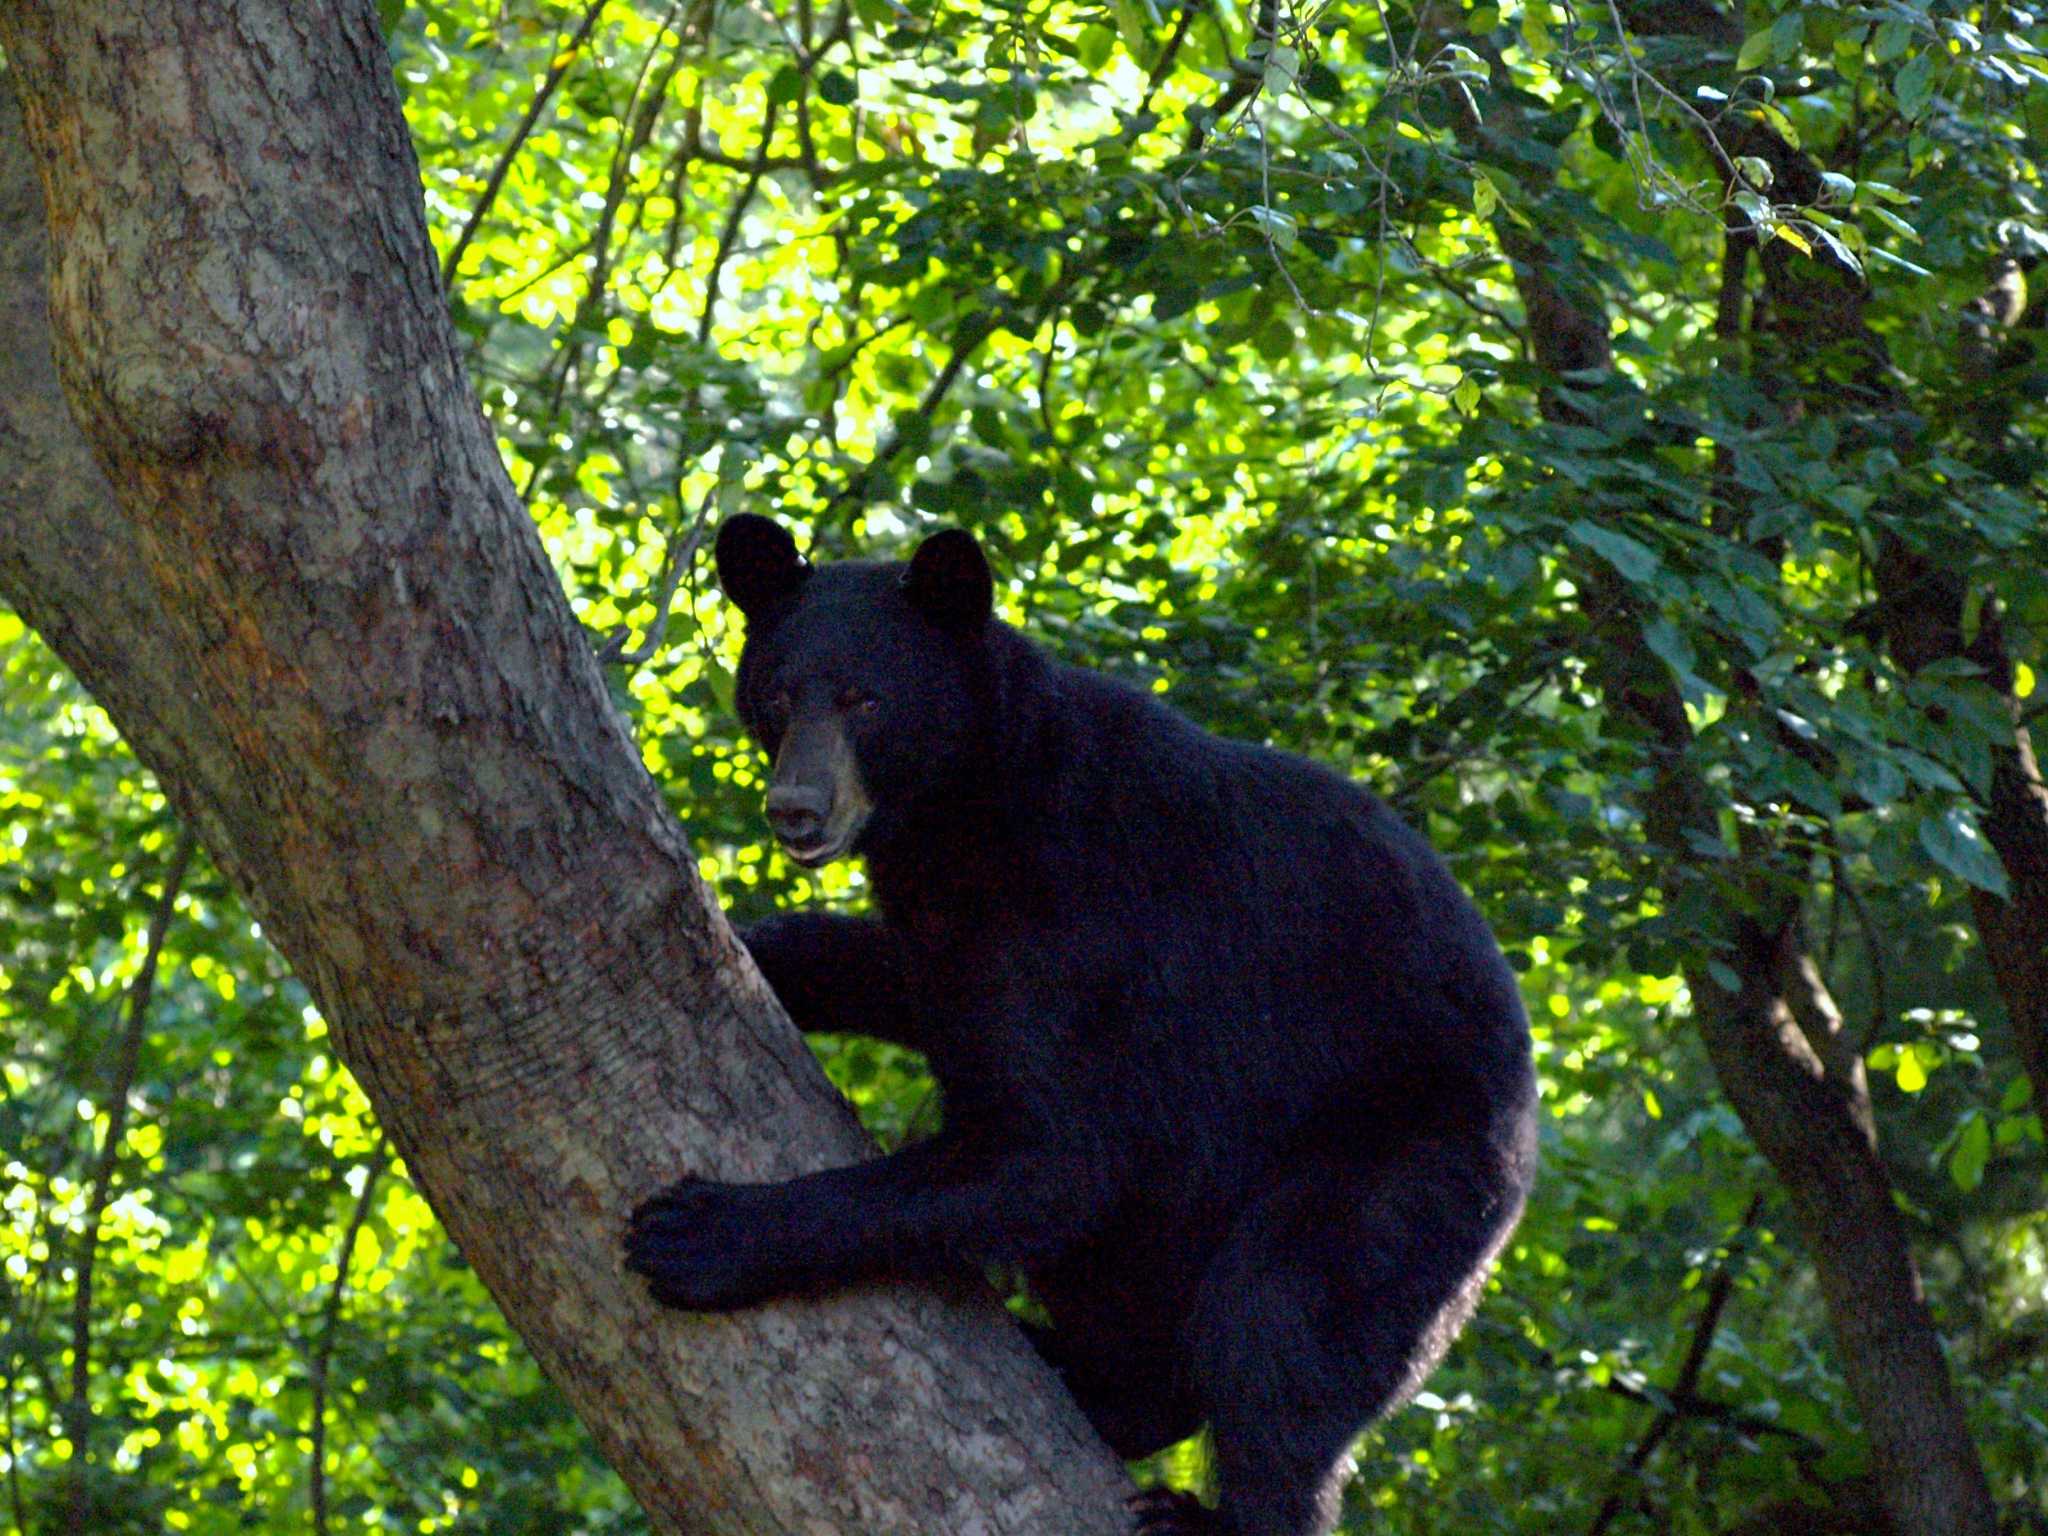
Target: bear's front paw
[[702, 1246], [1169, 1512]]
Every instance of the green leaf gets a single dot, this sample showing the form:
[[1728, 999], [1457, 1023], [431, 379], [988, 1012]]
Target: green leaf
[[837, 87], [1756, 171], [1877, 780], [1891, 40], [1282, 65], [1755, 207], [1914, 84], [1637, 562], [1466, 396], [1463, 64], [2018, 1128], [1095, 45], [1840, 249], [1893, 259], [1756, 48], [1780, 124], [1953, 840], [1894, 223], [1787, 33], [1973, 1151], [1485, 196], [1280, 228], [1925, 770], [1134, 21], [1670, 646]]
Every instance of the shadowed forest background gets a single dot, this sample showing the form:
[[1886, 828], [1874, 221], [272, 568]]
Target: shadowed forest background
[[1614, 433]]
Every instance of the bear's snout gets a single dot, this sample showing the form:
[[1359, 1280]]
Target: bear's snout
[[797, 812]]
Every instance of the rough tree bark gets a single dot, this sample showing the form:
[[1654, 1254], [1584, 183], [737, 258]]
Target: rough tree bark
[[300, 582], [1812, 1124]]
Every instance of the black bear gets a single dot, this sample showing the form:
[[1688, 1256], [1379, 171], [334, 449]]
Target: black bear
[[1234, 1073]]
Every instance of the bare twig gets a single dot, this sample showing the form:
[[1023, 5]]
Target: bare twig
[[127, 1057], [1491, 700], [677, 557], [1045, 362], [564, 57], [253, 1284]]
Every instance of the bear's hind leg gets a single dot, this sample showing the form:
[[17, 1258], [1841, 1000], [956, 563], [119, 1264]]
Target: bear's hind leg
[[1338, 1290]]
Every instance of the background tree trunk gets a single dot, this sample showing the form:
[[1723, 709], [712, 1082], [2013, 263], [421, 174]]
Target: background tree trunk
[[1814, 1125], [314, 605]]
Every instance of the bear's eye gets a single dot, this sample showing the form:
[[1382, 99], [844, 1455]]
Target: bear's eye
[[778, 704], [859, 701]]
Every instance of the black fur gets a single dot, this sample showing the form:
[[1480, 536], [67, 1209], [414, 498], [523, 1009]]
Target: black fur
[[1234, 1073]]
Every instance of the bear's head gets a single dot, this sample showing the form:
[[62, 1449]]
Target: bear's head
[[869, 684]]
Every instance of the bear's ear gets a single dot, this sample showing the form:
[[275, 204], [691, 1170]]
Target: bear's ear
[[948, 581], [757, 562]]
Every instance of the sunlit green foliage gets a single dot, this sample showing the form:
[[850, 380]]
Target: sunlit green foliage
[[1209, 334]]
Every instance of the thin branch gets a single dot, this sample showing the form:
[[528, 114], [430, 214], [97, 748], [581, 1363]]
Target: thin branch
[[330, 1317], [694, 151], [642, 111], [729, 235], [677, 558], [1163, 67], [127, 1057], [974, 334], [1045, 362], [679, 169], [1490, 700], [1684, 1390], [564, 57], [807, 147], [13, 1458], [1247, 78], [277, 1314]]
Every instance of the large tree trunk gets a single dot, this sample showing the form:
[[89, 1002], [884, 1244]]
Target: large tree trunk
[[301, 584]]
